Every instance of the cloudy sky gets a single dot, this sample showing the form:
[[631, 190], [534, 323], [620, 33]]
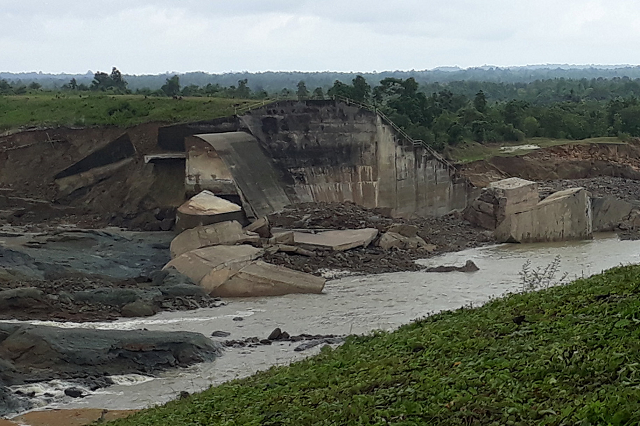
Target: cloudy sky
[[156, 36]]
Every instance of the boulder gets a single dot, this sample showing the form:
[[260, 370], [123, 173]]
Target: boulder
[[469, 266], [206, 209], [564, 215], [226, 233], [262, 227], [137, 309], [404, 229], [46, 353], [263, 279], [20, 298], [609, 212], [336, 240], [113, 296], [390, 240]]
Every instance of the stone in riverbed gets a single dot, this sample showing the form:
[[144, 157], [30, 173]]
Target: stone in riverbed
[[137, 309], [46, 353], [74, 392]]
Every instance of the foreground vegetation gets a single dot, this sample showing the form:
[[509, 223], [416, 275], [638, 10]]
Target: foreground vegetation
[[93, 109], [564, 356]]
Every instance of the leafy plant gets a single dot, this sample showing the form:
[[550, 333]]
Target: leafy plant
[[542, 277]]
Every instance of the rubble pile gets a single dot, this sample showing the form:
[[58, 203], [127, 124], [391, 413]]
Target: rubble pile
[[398, 244]]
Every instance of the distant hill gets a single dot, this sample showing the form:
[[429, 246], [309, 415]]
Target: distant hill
[[273, 81]]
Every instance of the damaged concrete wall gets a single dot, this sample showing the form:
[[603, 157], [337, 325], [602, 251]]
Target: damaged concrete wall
[[331, 151], [206, 170]]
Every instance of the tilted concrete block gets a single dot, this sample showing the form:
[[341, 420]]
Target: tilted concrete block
[[223, 233], [564, 215]]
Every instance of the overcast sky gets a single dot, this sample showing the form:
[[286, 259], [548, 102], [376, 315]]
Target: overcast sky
[[157, 36]]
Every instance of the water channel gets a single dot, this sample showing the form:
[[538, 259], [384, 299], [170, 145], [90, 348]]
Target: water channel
[[355, 304]]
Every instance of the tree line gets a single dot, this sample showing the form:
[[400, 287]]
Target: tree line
[[446, 118], [440, 114]]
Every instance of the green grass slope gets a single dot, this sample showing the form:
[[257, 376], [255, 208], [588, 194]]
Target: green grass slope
[[101, 109], [574, 359]]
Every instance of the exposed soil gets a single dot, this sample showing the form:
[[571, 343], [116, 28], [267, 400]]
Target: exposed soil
[[31, 160], [573, 161], [622, 188], [66, 417], [447, 233]]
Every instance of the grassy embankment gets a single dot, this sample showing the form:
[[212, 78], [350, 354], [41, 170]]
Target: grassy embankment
[[565, 356], [101, 109], [474, 151]]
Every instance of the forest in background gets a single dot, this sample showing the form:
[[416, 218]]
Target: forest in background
[[441, 113]]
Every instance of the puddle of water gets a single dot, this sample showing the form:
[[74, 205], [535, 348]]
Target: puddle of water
[[357, 304]]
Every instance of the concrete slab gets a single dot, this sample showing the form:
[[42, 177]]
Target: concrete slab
[[223, 233], [206, 209], [264, 279], [335, 240], [200, 263], [253, 171]]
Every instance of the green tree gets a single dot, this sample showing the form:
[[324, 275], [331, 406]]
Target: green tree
[[340, 89], [117, 81], [361, 89], [480, 102], [318, 93], [171, 87], [530, 126], [302, 91], [243, 91], [101, 81]]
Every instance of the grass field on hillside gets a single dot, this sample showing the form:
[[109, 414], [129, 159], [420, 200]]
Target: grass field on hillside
[[101, 109], [474, 151], [569, 355]]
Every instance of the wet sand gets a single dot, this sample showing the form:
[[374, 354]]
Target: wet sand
[[76, 417]]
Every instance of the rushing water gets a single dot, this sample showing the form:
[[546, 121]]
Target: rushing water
[[356, 304]]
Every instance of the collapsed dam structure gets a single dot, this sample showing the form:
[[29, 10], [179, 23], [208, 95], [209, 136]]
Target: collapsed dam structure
[[293, 152]]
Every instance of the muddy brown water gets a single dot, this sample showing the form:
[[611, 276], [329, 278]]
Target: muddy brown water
[[354, 304]]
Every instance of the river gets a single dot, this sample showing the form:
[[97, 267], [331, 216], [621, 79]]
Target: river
[[355, 304]]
